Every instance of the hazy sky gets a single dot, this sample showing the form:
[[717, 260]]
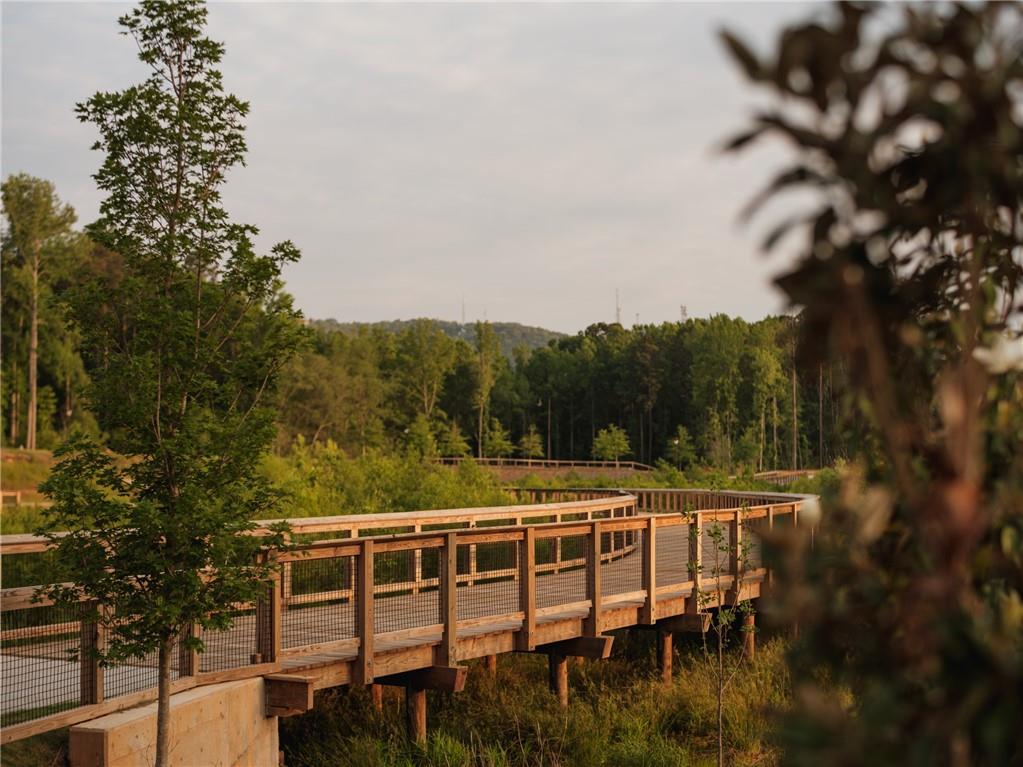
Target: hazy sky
[[529, 158]]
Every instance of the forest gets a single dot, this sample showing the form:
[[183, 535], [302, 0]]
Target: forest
[[720, 391]]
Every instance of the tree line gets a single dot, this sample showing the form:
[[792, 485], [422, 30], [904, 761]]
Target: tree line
[[721, 391]]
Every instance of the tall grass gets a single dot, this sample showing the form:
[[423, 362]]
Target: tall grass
[[619, 716]]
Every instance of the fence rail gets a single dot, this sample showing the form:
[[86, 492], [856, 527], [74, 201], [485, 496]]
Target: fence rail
[[384, 583], [545, 463]]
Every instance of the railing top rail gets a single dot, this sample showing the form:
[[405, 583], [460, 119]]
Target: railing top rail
[[540, 463]]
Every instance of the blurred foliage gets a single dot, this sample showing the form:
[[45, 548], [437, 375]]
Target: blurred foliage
[[907, 127]]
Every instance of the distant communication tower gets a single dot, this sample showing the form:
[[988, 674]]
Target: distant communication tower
[[618, 309], [685, 313]]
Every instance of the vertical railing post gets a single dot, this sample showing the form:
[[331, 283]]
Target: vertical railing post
[[363, 669], [268, 618], [649, 614], [735, 557], [526, 638], [770, 530], [449, 600], [695, 561], [417, 563], [90, 639], [593, 586], [188, 659], [472, 558]]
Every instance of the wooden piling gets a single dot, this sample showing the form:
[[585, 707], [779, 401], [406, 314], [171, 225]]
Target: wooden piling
[[558, 667], [665, 651], [415, 713]]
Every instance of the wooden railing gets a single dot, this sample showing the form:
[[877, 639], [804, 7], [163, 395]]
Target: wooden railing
[[545, 463], [408, 579]]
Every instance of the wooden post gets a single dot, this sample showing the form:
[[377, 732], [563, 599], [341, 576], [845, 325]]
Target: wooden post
[[526, 638], [268, 621], [558, 671], [472, 558], [188, 660], [362, 670], [749, 638], [449, 600], [490, 663], [417, 567], [665, 650], [90, 639], [415, 713], [593, 587], [377, 692], [735, 563], [695, 562], [649, 613], [770, 529]]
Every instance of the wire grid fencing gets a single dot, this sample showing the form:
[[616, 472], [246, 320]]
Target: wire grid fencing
[[138, 674], [318, 601], [39, 669], [489, 587], [716, 545], [672, 554], [235, 646], [753, 530], [560, 582], [406, 589], [622, 571]]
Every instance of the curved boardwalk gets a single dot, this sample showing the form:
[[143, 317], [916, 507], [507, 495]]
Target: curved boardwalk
[[393, 598]]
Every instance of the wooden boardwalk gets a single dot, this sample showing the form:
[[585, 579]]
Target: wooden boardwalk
[[387, 609]]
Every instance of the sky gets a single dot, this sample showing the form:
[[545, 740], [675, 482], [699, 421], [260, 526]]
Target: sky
[[523, 161]]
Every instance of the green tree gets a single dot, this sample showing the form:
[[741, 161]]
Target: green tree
[[419, 439], [681, 451], [531, 444], [186, 348], [487, 354], [451, 443], [908, 139], [496, 441], [611, 444], [425, 356], [39, 237]]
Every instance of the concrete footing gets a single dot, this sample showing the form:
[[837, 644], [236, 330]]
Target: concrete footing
[[221, 724]]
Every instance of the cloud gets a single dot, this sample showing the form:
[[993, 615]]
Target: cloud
[[530, 157]]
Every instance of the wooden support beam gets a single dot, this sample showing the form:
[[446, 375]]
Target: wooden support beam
[[649, 612], [690, 622], [490, 663], [415, 713], [441, 678], [362, 669], [598, 647], [665, 653], [749, 636], [558, 674], [376, 691], [591, 626], [525, 640], [288, 694]]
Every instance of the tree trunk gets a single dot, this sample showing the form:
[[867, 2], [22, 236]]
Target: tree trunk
[[549, 454], [721, 699], [763, 434], [774, 423], [820, 416], [163, 704], [33, 356], [479, 434], [795, 418]]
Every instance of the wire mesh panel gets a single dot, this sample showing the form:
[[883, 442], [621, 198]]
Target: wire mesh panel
[[752, 536], [564, 582], [406, 589], [29, 569], [493, 589], [38, 669], [716, 548], [318, 604], [137, 674], [623, 572], [232, 647], [672, 554]]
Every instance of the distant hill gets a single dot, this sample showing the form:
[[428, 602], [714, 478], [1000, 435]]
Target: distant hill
[[510, 334]]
